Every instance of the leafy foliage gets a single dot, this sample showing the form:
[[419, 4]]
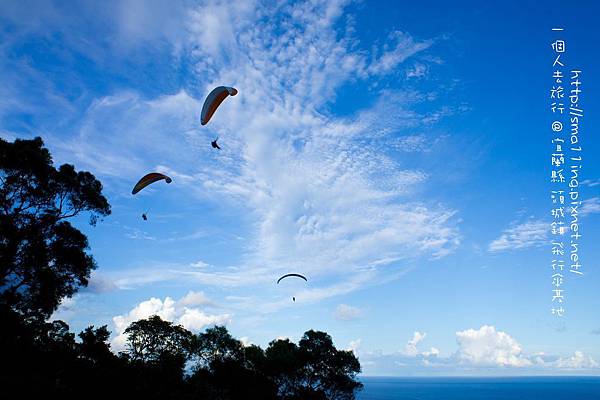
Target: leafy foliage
[[43, 258]]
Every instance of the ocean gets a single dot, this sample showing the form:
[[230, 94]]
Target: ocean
[[488, 388]]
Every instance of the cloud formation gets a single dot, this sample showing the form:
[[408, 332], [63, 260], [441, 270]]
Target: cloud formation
[[577, 361], [486, 346], [533, 233], [319, 193], [590, 206], [185, 311], [344, 312], [484, 349], [411, 348]]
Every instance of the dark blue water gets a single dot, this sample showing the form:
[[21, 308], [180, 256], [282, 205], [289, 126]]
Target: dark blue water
[[517, 388]]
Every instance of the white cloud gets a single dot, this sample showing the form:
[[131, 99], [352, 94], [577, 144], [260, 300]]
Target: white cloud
[[180, 312], [200, 264], [149, 21], [418, 71], [404, 48], [320, 200], [99, 283], [591, 182], [533, 233], [590, 206], [411, 347], [344, 312], [67, 308], [194, 299], [413, 143], [142, 131], [318, 193], [432, 352], [354, 345], [483, 349], [577, 361], [137, 234], [486, 346]]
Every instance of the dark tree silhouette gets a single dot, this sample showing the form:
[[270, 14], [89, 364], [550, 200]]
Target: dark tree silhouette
[[216, 345], [43, 258], [313, 369], [153, 339], [327, 370], [284, 366], [157, 351], [94, 345], [226, 369]]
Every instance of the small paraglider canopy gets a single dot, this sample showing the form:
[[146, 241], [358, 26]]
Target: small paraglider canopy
[[290, 275], [214, 100], [149, 179]]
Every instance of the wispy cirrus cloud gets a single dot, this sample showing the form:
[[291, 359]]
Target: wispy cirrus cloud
[[532, 233], [590, 206], [320, 193]]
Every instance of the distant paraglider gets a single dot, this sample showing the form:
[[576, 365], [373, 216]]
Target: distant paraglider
[[214, 144], [214, 100], [148, 180], [290, 275]]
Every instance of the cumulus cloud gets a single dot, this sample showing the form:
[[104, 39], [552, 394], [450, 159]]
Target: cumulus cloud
[[486, 346], [181, 312], [354, 345], [533, 233], [432, 352], [478, 349], [344, 312], [194, 299], [411, 348], [577, 361]]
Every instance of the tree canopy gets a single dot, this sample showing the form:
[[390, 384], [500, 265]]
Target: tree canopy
[[43, 258]]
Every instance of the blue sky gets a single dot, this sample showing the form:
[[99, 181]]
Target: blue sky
[[397, 154]]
